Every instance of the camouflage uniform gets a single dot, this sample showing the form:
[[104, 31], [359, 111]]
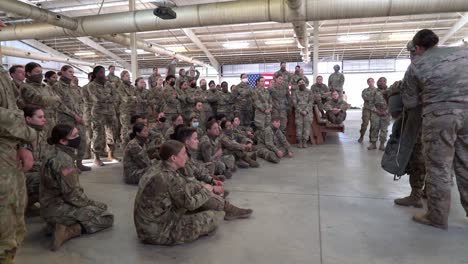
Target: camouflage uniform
[[195, 77], [242, 98], [153, 81], [262, 101], [88, 105], [13, 130], [63, 200], [172, 104], [135, 160], [211, 103], [113, 79], [294, 79], [187, 102], [339, 104], [155, 139], [142, 102], [196, 169], [379, 123], [182, 78], [103, 115], [232, 147], [33, 176], [438, 80], [156, 103], [320, 91], [336, 81], [270, 141], [71, 97], [208, 147], [172, 209], [280, 101], [127, 108], [225, 105], [287, 78], [303, 102], [368, 96]]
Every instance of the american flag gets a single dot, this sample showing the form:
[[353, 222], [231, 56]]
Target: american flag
[[253, 78]]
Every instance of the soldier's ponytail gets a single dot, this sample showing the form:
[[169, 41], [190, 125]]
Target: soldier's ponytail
[[137, 128], [60, 131]]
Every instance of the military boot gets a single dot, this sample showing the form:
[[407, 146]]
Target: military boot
[[233, 212], [304, 144], [81, 167], [422, 219], [98, 161], [64, 233], [414, 199], [372, 146], [10, 256], [361, 138], [219, 178], [111, 157], [242, 164], [382, 146], [252, 163], [228, 174]]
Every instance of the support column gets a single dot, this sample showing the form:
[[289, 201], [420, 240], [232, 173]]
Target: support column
[[133, 47], [316, 50]]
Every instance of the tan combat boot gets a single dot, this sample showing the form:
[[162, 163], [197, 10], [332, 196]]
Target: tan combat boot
[[252, 163], [414, 199], [422, 219], [361, 138], [242, 164], [382, 146], [233, 212], [98, 161], [372, 146], [81, 167], [64, 233]]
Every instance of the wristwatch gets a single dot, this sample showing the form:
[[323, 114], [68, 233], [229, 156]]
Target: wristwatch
[[27, 146]]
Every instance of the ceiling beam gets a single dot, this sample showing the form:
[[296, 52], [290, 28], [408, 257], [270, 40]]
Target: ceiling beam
[[202, 47], [455, 28], [91, 43]]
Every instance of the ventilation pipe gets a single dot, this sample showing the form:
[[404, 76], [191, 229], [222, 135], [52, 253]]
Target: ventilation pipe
[[300, 27], [228, 13]]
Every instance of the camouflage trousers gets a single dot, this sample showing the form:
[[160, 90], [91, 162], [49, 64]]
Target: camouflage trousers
[[88, 130], [416, 168], [379, 127], [126, 128], [103, 124], [336, 118], [303, 124], [269, 155], [134, 176], [283, 115], [117, 127], [12, 208], [190, 226], [92, 218], [445, 139], [224, 163], [366, 115], [33, 181], [245, 116], [262, 120]]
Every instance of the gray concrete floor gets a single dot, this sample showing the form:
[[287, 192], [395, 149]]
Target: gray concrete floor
[[330, 204]]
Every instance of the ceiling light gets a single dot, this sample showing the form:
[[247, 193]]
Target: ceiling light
[[139, 51], [401, 36], [176, 48], [85, 53], [279, 41], [236, 45], [353, 38]]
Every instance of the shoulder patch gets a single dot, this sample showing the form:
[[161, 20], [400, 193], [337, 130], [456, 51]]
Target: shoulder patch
[[68, 170]]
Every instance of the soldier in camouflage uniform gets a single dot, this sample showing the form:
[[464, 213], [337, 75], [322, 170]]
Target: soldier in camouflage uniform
[[211, 151], [13, 133], [64, 205], [103, 114], [185, 209], [153, 79], [136, 161], [182, 78], [439, 79], [211, 98], [303, 101], [242, 131], [368, 96], [156, 100], [336, 80], [187, 102], [280, 101], [225, 103], [127, 107], [171, 94], [319, 89], [142, 97], [71, 97], [111, 76], [242, 152], [193, 75], [242, 98], [171, 68], [380, 120], [87, 106], [298, 74], [272, 143], [262, 103], [287, 78], [335, 109], [156, 136]]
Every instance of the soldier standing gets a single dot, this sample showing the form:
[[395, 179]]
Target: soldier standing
[[156, 100], [225, 103], [111, 76], [153, 79], [298, 74], [280, 100], [262, 104], [380, 119], [128, 101], [242, 97], [336, 80], [368, 96], [142, 97], [88, 105], [172, 104], [303, 102], [283, 73]]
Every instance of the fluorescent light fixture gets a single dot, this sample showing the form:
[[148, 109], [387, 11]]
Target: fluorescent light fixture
[[279, 41], [85, 53], [236, 45], [176, 48], [401, 36], [139, 51], [353, 38]]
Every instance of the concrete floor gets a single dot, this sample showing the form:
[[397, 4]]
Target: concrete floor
[[330, 204]]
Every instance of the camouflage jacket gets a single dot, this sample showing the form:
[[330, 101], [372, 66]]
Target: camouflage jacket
[[153, 80], [113, 79], [70, 97], [320, 89], [211, 98], [262, 99], [336, 81], [128, 98], [195, 169], [438, 79], [280, 97], [368, 95], [88, 101], [225, 103], [135, 156], [156, 100], [229, 143], [172, 104], [142, 101], [104, 98], [339, 104], [295, 78], [303, 101], [42, 96], [242, 97], [164, 196], [208, 147], [273, 139], [287, 78]]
